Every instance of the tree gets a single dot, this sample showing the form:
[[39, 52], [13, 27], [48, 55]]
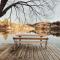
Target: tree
[[36, 8]]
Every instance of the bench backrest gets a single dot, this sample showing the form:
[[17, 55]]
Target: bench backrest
[[24, 38]]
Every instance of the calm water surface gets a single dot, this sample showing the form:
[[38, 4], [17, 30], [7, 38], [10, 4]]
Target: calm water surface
[[8, 39]]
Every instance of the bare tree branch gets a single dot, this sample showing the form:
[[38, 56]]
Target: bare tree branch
[[38, 8]]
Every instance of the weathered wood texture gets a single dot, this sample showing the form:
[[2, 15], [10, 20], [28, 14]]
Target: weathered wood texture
[[20, 38], [30, 52]]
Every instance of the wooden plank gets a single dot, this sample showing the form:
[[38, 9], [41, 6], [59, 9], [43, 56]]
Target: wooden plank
[[30, 52], [32, 42], [22, 55], [35, 53], [45, 56], [39, 54], [5, 53], [55, 52], [13, 55], [56, 49], [27, 35], [52, 54], [26, 56], [49, 55], [20, 52], [46, 44], [17, 38]]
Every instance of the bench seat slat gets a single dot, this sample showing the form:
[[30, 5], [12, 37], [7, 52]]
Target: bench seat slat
[[30, 38], [27, 35]]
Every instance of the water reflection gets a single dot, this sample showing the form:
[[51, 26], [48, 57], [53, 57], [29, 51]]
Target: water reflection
[[41, 32], [5, 34], [55, 31], [57, 34], [51, 33]]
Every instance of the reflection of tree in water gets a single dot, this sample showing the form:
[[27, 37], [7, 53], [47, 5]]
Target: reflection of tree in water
[[45, 32], [55, 32], [5, 35], [55, 28]]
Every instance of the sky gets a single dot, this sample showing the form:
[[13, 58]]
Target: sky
[[56, 16], [57, 13]]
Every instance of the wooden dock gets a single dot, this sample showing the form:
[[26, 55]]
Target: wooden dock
[[30, 52]]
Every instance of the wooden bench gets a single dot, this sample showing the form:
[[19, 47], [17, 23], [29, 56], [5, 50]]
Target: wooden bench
[[21, 37]]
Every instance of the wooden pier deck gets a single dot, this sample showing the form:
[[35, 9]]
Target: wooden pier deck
[[29, 52]]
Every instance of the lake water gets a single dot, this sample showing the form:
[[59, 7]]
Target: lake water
[[8, 39]]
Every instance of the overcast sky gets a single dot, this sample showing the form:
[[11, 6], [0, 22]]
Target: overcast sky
[[57, 13], [56, 16]]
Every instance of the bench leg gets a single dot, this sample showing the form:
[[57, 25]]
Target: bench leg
[[40, 43], [15, 45], [46, 44], [19, 42]]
